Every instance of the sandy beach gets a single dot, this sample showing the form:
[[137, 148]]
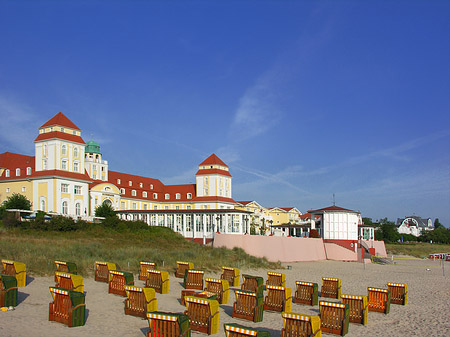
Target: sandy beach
[[426, 314]]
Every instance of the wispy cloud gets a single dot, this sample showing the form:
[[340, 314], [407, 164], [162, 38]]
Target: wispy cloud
[[18, 124]]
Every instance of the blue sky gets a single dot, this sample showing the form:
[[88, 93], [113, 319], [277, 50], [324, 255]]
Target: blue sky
[[302, 99]]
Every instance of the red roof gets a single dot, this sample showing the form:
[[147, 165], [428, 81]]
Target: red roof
[[59, 135], [202, 172], [60, 120], [213, 160], [332, 208], [214, 198], [62, 174], [13, 161]]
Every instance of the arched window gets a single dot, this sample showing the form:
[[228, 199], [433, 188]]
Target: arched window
[[109, 202], [64, 208], [63, 150], [43, 205], [75, 152], [77, 209]]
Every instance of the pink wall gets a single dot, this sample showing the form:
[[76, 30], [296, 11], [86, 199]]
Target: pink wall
[[339, 253], [380, 248], [274, 248]]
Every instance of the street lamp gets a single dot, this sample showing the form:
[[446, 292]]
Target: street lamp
[[271, 228], [219, 229], [246, 222]]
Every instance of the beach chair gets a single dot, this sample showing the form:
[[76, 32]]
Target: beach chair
[[253, 283], [8, 291], [144, 267], [158, 280], [276, 279], [181, 267], [379, 300], [248, 305], [297, 325], [65, 267], [358, 308], [219, 287], [102, 271], [278, 299], [334, 318], [203, 294], [236, 330], [232, 275], [306, 293], [140, 301], [203, 314], [331, 287], [399, 293], [68, 307], [118, 280], [69, 281], [193, 279], [166, 324], [16, 269]]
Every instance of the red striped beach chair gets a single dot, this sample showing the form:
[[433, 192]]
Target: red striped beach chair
[[297, 325]]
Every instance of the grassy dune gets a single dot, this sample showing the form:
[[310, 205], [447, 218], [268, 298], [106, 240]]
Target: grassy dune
[[38, 250], [418, 249]]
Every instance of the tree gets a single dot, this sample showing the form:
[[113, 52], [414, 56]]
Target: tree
[[105, 210], [15, 201], [437, 224]]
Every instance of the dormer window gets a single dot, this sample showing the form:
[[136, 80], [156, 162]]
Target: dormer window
[[141, 185], [122, 191], [18, 172], [151, 186], [118, 181], [178, 196], [167, 196], [28, 171], [144, 194], [130, 183], [133, 193], [7, 173], [155, 195], [189, 195]]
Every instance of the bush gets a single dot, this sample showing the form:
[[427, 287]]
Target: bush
[[314, 233]]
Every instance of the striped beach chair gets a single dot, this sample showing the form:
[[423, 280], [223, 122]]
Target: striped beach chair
[[399, 293], [193, 279], [298, 325], [278, 299], [331, 287], [232, 275], [143, 268], [181, 267], [102, 270], [219, 287], [253, 283], [276, 279], [203, 314], [306, 293], [65, 267], [334, 318], [248, 305], [379, 300], [69, 281], [68, 307], [18, 270], [167, 324], [118, 280], [8, 291], [140, 301], [236, 330], [158, 280], [358, 308]]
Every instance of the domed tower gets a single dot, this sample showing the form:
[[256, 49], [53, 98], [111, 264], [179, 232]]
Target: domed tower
[[95, 166]]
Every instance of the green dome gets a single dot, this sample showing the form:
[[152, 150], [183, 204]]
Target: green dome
[[92, 147]]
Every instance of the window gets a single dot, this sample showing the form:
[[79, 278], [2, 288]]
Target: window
[[122, 191], [94, 167], [44, 164], [62, 129], [64, 208], [178, 196], [63, 150], [189, 195], [155, 195], [24, 189], [134, 205], [151, 186], [18, 172], [133, 193], [167, 196], [144, 194], [28, 171], [7, 173], [7, 190], [118, 181], [75, 152], [177, 207], [122, 205], [155, 207], [166, 207], [64, 188], [43, 205], [75, 167], [145, 206], [45, 150], [188, 207], [141, 185], [206, 191], [77, 209], [64, 165], [130, 183], [77, 189]]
